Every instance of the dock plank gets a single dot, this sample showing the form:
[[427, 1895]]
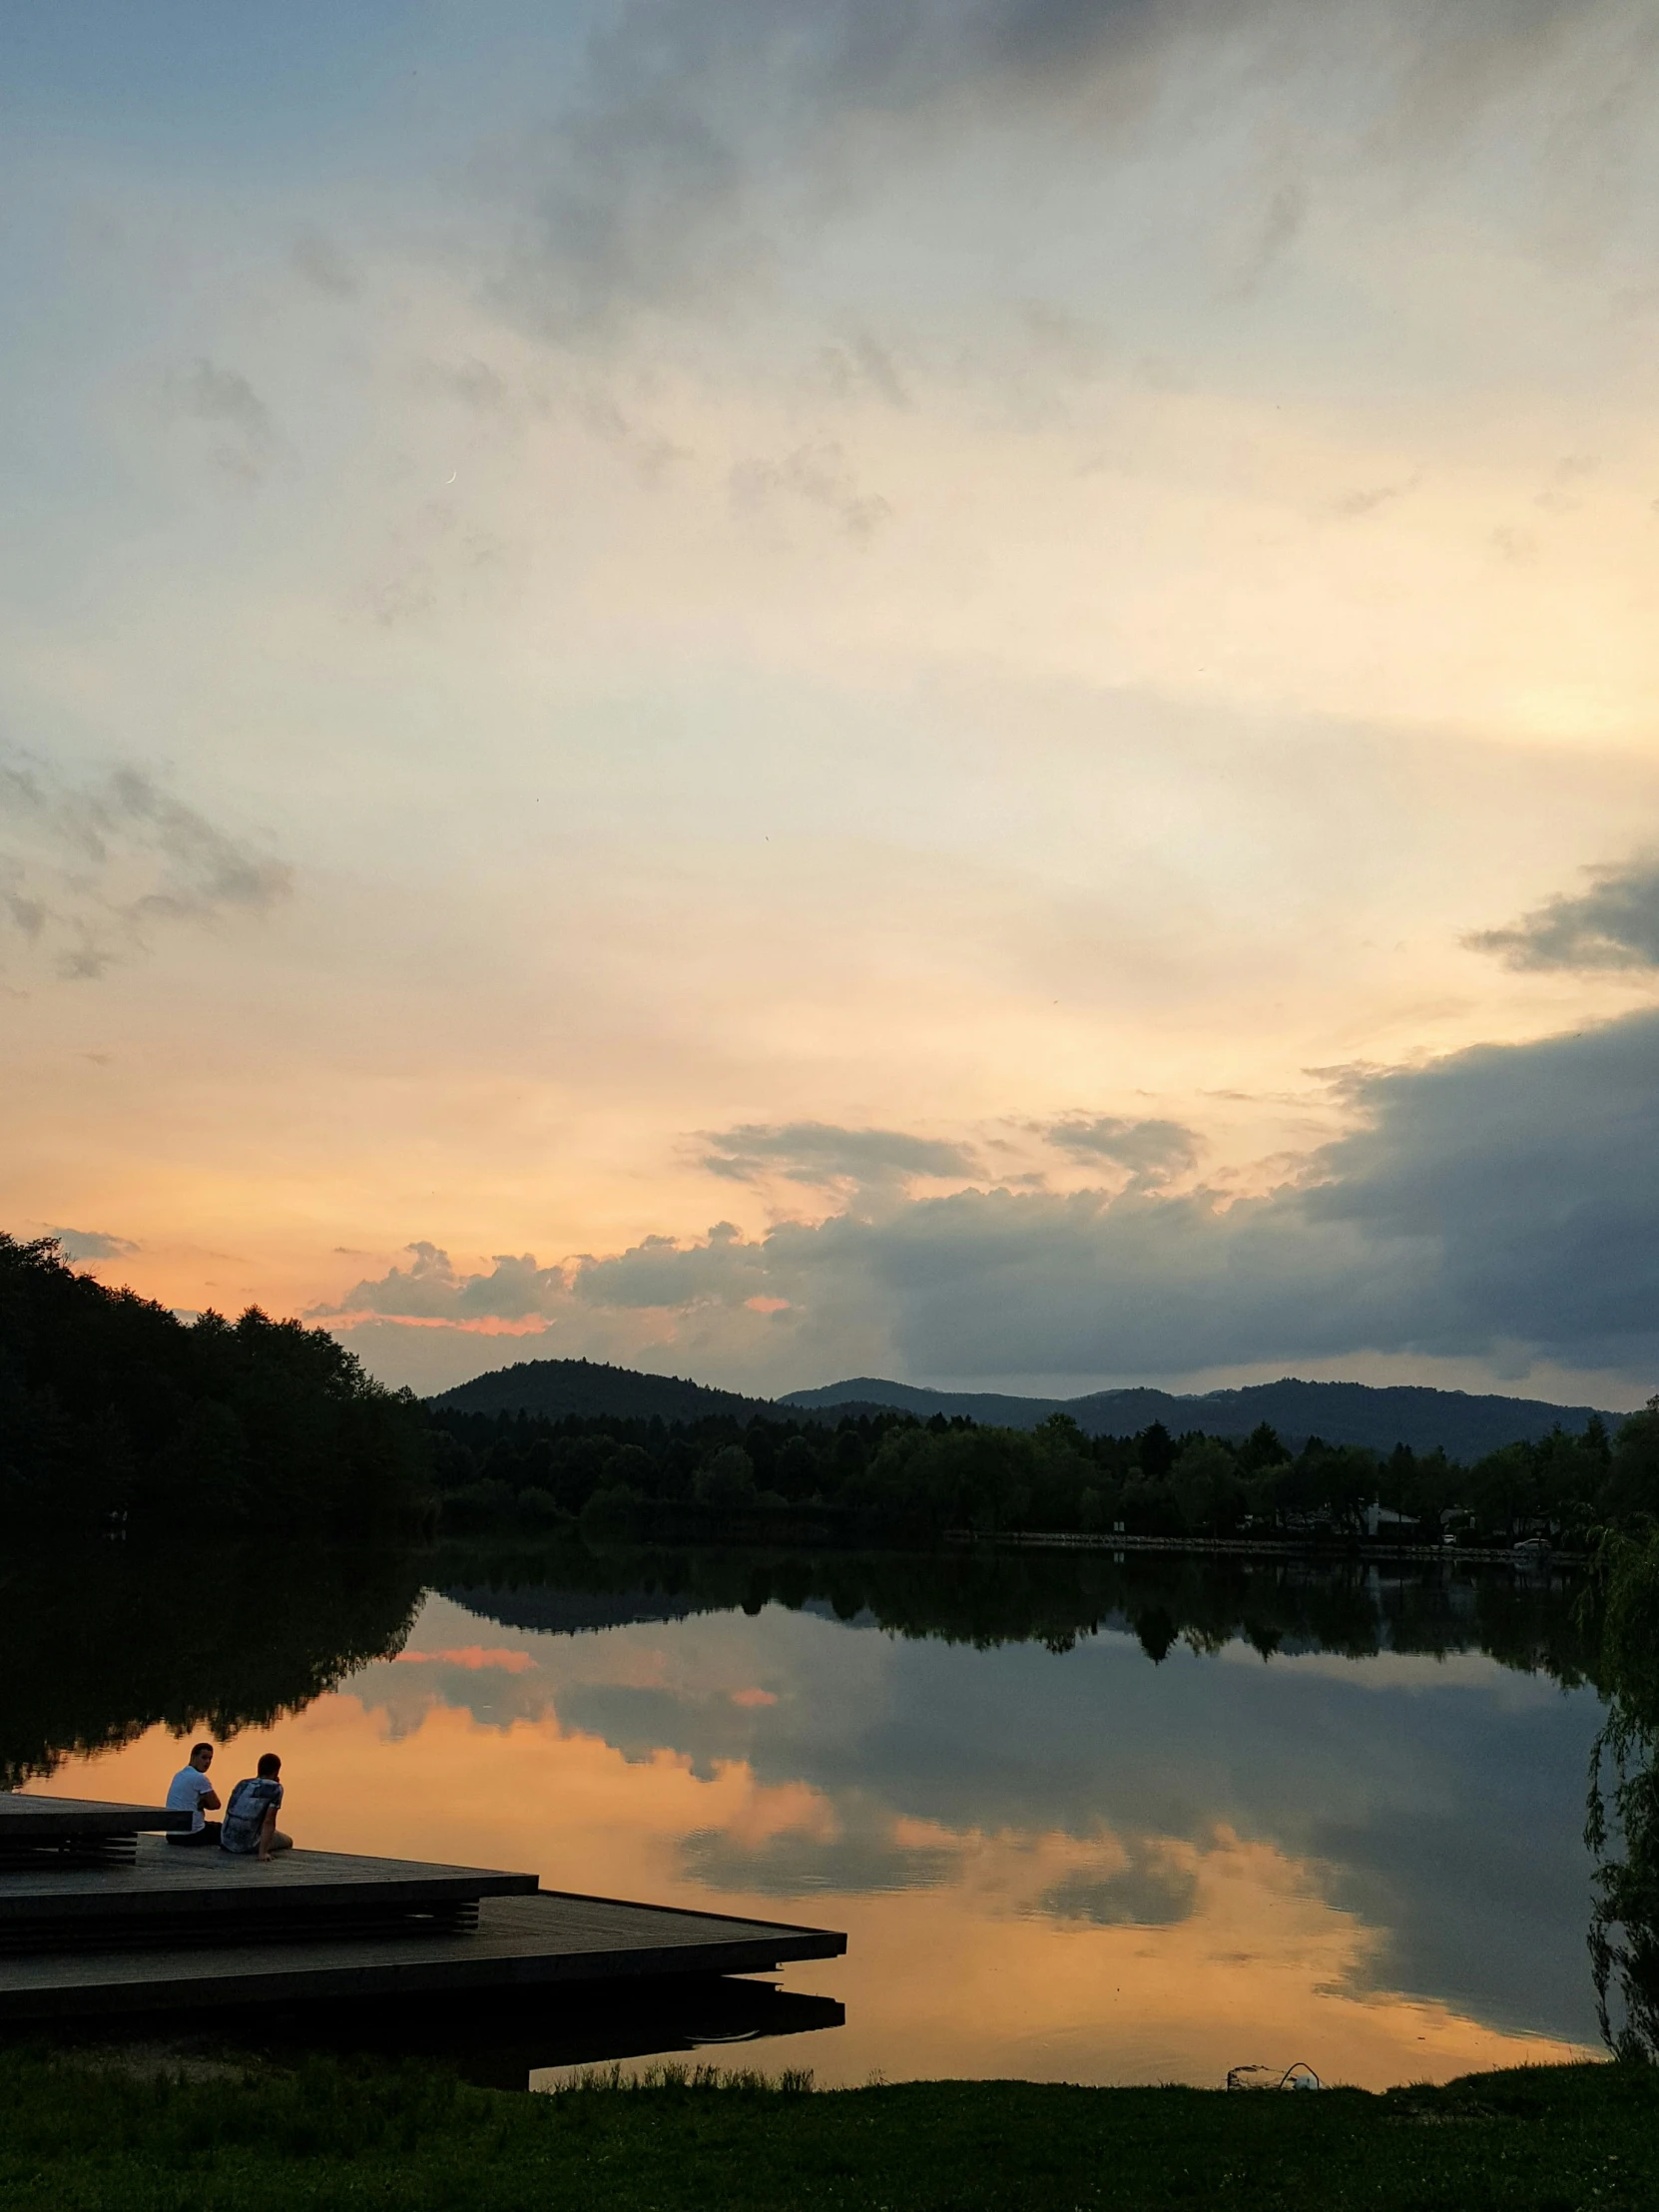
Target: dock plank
[[42, 1820], [164, 1881], [521, 1942]]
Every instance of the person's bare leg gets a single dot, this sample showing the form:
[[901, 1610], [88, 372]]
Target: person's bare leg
[[280, 1841]]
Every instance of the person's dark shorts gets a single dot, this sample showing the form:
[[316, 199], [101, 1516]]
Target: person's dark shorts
[[208, 1833]]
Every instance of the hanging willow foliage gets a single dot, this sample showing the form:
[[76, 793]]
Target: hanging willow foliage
[[1624, 1799]]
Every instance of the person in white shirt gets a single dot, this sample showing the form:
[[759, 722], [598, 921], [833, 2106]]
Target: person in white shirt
[[191, 1792]]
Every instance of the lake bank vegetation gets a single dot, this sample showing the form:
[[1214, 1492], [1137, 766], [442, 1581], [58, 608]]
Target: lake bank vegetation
[[893, 1477], [104, 2134]]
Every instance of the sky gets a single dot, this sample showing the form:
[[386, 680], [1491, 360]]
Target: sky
[[952, 691]]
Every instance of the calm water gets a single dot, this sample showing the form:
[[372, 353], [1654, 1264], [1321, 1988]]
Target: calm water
[[1080, 1821]]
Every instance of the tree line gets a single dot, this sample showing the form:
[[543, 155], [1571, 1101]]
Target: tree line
[[117, 1414], [887, 1474]]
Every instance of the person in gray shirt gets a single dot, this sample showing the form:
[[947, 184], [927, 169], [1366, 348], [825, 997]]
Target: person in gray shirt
[[250, 1828]]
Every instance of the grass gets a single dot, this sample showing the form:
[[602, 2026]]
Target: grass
[[81, 2135]]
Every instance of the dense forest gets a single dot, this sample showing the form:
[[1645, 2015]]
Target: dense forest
[[889, 1475], [117, 1414], [114, 1413]]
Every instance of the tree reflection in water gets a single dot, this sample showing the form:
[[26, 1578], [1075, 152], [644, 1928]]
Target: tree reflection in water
[[99, 1643], [1624, 1798], [985, 1597]]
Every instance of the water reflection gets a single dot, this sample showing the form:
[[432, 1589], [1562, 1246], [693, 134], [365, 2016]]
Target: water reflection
[[1338, 1819], [99, 1644], [507, 2039]]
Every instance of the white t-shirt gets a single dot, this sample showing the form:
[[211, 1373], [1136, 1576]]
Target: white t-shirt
[[185, 1793]]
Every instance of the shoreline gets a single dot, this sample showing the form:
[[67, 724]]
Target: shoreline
[[1355, 1550], [154, 2132]]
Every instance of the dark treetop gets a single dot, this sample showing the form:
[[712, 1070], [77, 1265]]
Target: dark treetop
[[114, 1412]]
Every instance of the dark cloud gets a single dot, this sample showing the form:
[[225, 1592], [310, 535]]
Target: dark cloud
[[91, 1244], [1503, 1199], [858, 1862], [431, 1288], [1153, 1151], [224, 400], [1151, 1890], [1351, 505], [1277, 231], [319, 260], [864, 364], [1613, 924], [816, 475], [1502, 1204], [1526, 1176], [699, 135], [89, 871], [820, 1154], [722, 1271], [661, 185]]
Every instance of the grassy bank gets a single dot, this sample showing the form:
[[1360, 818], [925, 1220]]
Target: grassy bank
[[84, 2135]]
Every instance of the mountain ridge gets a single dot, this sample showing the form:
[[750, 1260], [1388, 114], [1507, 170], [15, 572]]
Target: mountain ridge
[[1466, 1424]]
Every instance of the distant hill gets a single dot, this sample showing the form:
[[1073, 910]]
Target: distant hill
[[590, 1388], [995, 1409], [1341, 1412]]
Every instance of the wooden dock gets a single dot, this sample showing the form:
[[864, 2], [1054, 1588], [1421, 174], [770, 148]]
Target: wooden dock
[[171, 1930], [53, 1832]]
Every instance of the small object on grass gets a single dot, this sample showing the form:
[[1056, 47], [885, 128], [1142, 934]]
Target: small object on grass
[[1298, 2076]]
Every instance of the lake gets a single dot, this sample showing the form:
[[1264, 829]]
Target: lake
[[1082, 1818]]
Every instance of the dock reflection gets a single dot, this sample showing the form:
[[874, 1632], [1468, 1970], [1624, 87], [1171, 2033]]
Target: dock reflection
[[496, 2042]]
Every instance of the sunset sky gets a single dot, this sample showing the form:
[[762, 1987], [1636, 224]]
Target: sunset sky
[[954, 689]]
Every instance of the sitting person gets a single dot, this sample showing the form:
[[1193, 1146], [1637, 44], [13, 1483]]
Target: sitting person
[[250, 1828], [191, 1792]]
